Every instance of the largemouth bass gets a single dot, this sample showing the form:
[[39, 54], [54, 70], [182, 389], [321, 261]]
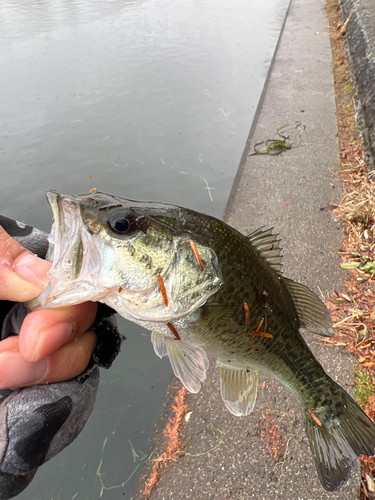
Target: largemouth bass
[[203, 288]]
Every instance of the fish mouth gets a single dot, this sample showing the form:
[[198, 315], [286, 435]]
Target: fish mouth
[[68, 240], [65, 242]]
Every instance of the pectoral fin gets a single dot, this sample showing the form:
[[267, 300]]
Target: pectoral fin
[[312, 313], [189, 364], [238, 388]]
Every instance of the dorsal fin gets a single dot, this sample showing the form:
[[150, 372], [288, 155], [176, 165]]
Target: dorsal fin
[[312, 313], [268, 246]]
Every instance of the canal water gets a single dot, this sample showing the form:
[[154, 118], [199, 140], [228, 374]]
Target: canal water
[[146, 99]]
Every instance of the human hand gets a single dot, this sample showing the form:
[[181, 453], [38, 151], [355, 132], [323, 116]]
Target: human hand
[[53, 344]]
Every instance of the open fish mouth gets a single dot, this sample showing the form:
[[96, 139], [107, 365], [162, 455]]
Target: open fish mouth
[[69, 241], [66, 247]]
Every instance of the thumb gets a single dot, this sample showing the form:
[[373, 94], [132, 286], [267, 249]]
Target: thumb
[[23, 276]]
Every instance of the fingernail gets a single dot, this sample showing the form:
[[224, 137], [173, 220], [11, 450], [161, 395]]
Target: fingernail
[[31, 268], [57, 336], [16, 372]]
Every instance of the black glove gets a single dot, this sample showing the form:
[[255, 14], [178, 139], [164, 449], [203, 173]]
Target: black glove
[[38, 422]]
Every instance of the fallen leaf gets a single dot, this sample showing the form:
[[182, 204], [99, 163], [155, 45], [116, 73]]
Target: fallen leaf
[[370, 483], [187, 416], [346, 297], [350, 265]]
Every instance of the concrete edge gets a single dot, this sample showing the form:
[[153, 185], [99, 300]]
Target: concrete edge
[[358, 18]]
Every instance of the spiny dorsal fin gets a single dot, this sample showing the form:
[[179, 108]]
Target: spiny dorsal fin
[[312, 313], [238, 388], [268, 246]]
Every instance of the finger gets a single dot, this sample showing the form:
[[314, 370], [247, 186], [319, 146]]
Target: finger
[[23, 276], [67, 362], [9, 344], [44, 331]]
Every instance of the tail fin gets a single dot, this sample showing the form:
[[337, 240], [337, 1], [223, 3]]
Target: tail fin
[[337, 442]]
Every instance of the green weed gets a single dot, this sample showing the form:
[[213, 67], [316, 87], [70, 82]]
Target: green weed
[[363, 385]]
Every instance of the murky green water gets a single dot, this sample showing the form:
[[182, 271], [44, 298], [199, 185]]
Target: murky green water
[[147, 99]]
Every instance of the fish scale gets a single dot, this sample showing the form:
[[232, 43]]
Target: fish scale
[[202, 288]]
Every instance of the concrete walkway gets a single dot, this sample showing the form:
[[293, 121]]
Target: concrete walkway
[[229, 457]]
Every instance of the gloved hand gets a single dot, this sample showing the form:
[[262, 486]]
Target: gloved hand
[[39, 421]]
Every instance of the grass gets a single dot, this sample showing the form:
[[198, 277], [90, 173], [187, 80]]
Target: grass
[[364, 386]]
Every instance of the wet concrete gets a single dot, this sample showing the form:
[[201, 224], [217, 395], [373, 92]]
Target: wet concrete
[[359, 18], [230, 457]]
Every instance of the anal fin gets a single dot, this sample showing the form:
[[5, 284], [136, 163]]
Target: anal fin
[[238, 388]]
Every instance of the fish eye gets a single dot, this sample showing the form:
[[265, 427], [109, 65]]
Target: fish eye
[[122, 223]]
